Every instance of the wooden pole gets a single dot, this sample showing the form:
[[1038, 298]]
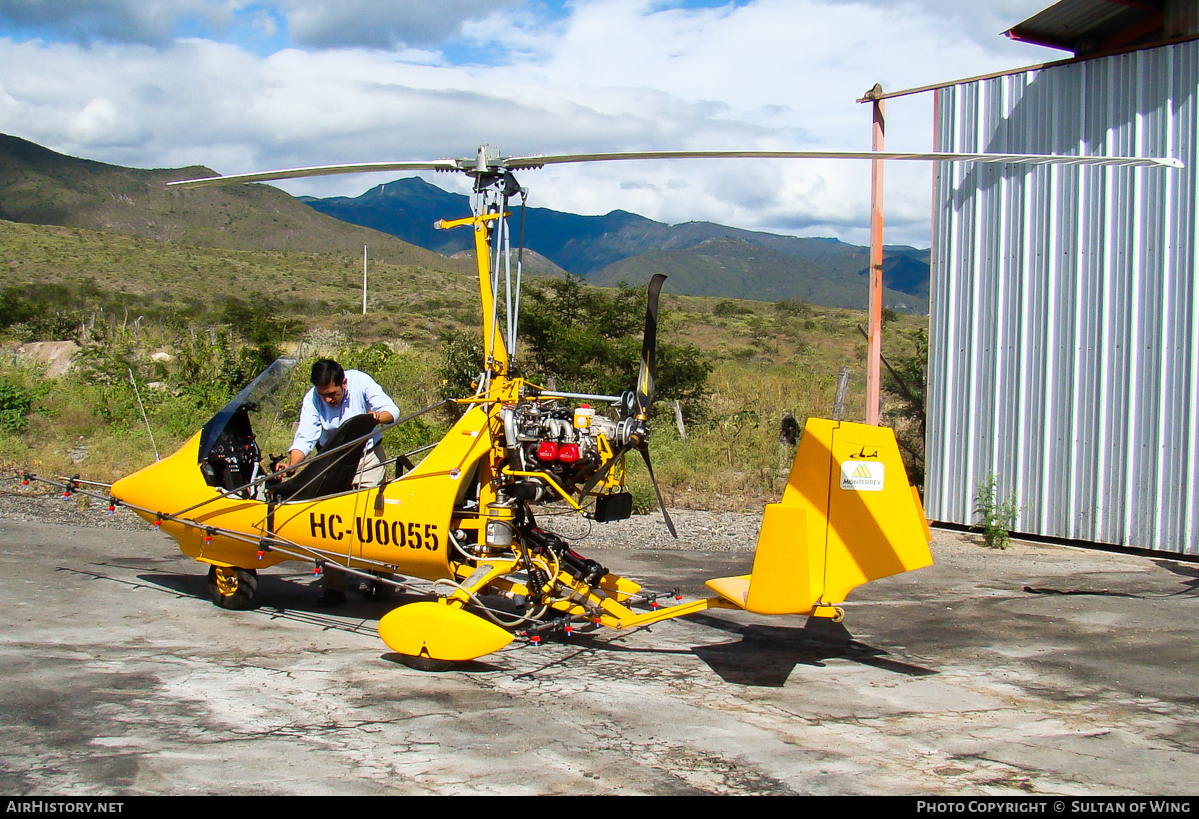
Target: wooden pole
[[875, 318], [364, 280]]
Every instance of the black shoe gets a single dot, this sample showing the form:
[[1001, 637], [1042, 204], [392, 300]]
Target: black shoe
[[330, 598]]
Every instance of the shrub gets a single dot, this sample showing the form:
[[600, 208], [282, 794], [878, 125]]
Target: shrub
[[792, 307], [15, 403], [996, 516], [727, 308], [905, 379], [461, 363]]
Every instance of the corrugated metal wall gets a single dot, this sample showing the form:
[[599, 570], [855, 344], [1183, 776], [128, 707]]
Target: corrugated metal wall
[[1064, 341]]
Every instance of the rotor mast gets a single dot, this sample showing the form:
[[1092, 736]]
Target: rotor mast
[[494, 187]]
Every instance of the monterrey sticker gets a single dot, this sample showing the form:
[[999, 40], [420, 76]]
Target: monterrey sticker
[[863, 476]]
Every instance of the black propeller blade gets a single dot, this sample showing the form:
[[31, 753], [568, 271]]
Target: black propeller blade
[[649, 347], [643, 400], [646, 385], [661, 503]]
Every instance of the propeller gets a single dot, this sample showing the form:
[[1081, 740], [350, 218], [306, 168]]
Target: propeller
[[635, 406]]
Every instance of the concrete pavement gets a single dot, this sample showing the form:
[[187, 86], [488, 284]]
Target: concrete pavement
[[119, 677]]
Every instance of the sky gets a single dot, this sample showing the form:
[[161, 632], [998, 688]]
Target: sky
[[244, 85]]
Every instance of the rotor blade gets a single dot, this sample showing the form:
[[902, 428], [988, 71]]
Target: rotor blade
[[649, 348], [517, 162], [322, 170], [661, 503], [530, 162]]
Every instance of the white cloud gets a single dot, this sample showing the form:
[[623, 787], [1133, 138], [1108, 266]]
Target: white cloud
[[382, 23], [981, 22], [612, 75], [149, 22]]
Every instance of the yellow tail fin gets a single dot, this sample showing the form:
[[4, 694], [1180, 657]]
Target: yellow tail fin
[[848, 516]]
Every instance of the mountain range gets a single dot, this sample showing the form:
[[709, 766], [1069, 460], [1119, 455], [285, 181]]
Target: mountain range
[[703, 258], [40, 186]]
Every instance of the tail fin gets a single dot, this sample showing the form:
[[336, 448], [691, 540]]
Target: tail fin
[[848, 516]]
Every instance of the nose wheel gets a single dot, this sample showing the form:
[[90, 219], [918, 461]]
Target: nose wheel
[[231, 587]]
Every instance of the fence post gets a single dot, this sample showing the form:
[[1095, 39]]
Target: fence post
[[842, 388]]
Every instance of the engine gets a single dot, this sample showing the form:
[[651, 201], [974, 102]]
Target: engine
[[564, 442]]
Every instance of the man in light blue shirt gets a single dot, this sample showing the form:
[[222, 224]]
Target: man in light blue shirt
[[336, 395]]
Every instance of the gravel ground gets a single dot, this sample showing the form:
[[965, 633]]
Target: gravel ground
[[698, 530], [35, 505]]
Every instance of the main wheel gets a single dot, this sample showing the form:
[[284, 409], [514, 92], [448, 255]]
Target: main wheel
[[231, 587]]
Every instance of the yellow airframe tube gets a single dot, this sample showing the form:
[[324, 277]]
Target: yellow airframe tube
[[494, 354]]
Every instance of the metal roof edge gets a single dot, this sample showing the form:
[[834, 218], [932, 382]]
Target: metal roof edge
[[872, 96]]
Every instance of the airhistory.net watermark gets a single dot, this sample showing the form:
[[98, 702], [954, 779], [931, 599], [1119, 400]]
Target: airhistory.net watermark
[[61, 806]]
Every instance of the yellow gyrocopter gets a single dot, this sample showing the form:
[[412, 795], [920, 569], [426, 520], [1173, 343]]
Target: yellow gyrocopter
[[462, 519]]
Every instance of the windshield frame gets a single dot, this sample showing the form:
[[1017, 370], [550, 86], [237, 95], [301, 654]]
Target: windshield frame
[[266, 384]]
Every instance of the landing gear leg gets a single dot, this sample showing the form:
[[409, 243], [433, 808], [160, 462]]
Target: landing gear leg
[[423, 662]]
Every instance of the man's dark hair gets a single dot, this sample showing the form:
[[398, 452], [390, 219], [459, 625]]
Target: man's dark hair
[[327, 371]]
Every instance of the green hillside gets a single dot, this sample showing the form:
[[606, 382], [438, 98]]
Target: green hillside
[[92, 271], [39, 186], [718, 267]]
